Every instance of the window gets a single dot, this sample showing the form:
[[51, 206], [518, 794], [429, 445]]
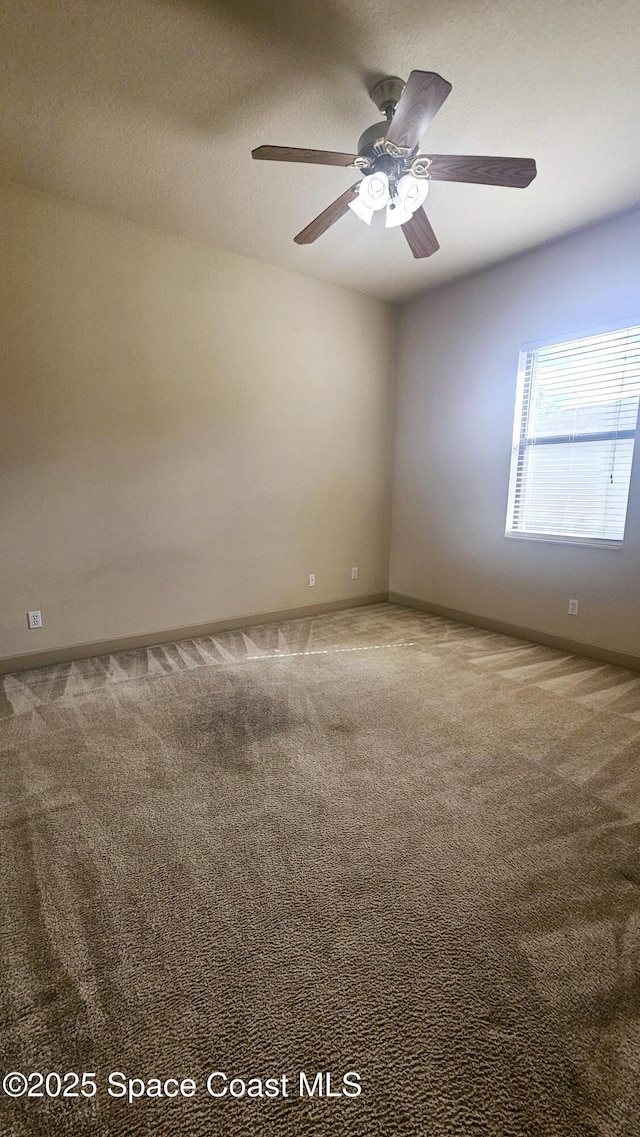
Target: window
[[574, 430]]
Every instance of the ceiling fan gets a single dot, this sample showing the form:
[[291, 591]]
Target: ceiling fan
[[396, 176]]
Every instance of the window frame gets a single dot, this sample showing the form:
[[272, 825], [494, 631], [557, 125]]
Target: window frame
[[520, 442]]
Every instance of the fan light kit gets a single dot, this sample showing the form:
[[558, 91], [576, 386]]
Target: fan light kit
[[374, 192], [397, 177]]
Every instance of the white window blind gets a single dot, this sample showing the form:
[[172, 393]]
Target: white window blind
[[574, 431]]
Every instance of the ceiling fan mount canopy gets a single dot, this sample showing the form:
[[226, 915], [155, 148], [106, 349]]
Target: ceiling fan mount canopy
[[388, 157], [387, 94]]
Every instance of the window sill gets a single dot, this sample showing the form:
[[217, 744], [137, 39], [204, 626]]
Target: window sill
[[558, 539]]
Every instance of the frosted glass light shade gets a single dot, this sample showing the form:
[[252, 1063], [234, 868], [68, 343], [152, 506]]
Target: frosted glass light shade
[[361, 210], [412, 191], [374, 191], [396, 214]]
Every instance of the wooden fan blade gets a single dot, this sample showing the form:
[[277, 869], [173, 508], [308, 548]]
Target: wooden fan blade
[[328, 217], [515, 172], [421, 237], [294, 154], [421, 100]]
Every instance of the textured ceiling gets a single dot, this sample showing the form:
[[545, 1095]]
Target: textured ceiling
[[150, 109]]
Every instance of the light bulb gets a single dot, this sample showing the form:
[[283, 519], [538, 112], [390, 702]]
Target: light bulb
[[361, 210], [396, 214], [412, 191]]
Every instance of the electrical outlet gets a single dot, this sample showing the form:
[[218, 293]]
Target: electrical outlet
[[34, 620], [354, 572], [573, 607], [312, 579]]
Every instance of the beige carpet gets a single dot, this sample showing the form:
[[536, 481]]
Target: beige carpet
[[376, 841]]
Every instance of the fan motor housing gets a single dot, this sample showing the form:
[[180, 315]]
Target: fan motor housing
[[372, 139], [373, 156]]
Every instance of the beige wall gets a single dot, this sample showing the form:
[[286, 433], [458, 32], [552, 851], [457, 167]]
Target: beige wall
[[185, 434], [457, 366]]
